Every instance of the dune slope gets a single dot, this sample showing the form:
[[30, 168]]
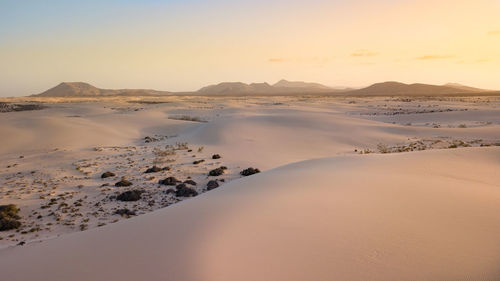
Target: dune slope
[[429, 215]]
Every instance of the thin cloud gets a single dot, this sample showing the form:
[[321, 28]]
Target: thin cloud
[[435, 57], [364, 53], [300, 60], [494, 32], [276, 60]]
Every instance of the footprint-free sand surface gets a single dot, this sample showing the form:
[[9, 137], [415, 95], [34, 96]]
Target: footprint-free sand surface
[[350, 189]]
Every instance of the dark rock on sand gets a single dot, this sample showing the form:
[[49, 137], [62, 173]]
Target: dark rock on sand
[[156, 169], [184, 191], [250, 171], [212, 184], [216, 156], [191, 182], [125, 212], [107, 175], [123, 182], [132, 195], [169, 181], [217, 172], [198, 162]]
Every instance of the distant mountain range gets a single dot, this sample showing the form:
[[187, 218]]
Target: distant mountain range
[[80, 89], [283, 87]]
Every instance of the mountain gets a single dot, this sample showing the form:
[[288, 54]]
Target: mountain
[[81, 89], [466, 88], [401, 89], [236, 88], [283, 87], [299, 85]]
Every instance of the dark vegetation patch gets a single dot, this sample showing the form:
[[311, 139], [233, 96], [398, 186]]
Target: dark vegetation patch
[[148, 102], [9, 218], [187, 118], [9, 107]]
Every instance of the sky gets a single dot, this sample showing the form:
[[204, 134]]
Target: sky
[[183, 45]]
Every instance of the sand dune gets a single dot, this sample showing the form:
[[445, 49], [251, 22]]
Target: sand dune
[[328, 205], [420, 216]]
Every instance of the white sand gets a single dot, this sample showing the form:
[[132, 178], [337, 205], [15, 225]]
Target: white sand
[[429, 215], [416, 216]]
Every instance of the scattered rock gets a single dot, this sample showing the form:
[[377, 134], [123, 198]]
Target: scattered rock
[[107, 175], [170, 191], [123, 182], [217, 172], [216, 156], [212, 184], [156, 169], [184, 191], [191, 182], [125, 212], [250, 171], [169, 181], [198, 162], [131, 195]]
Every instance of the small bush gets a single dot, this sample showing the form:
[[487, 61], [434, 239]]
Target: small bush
[[382, 148], [9, 218]]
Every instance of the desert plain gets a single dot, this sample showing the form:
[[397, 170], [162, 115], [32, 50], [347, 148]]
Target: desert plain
[[348, 188]]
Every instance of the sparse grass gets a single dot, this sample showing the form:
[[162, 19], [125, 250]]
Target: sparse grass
[[382, 148], [187, 118]]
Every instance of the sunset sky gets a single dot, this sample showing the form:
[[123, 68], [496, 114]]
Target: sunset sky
[[184, 45]]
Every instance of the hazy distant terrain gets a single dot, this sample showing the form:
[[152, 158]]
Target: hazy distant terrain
[[81, 89], [283, 87]]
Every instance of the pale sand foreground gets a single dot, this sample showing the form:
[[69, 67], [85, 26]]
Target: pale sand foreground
[[413, 216], [430, 215]]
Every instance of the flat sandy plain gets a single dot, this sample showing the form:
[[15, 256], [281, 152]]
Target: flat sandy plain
[[384, 188]]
